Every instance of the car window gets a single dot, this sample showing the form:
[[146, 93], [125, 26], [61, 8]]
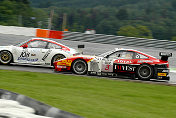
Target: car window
[[116, 55], [126, 55], [122, 55], [54, 46], [37, 44], [140, 56]]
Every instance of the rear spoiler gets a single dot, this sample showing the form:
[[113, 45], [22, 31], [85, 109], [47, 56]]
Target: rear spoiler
[[165, 55]]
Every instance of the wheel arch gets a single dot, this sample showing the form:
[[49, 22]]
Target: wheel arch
[[54, 56]]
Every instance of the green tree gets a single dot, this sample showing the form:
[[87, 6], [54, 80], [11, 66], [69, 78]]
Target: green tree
[[10, 10], [144, 32], [77, 28], [122, 14], [128, 31], [7, 13], [138, 31], [174, 38], [108, 26]]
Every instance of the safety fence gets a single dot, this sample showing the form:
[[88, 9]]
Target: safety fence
[[94, 38], [119, 40]]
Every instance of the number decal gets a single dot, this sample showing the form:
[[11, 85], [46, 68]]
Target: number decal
[[107, 67]]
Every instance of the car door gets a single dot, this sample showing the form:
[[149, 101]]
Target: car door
[[53, 49], [34, 52], [19, 54], [124, 62], [108, 61]]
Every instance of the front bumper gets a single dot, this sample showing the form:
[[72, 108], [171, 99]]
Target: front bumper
[[62, 68]]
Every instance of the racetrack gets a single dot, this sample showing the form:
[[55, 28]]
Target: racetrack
[[90, 48]]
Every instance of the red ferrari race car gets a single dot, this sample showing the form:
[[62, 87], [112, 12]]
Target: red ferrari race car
[[118, 62]]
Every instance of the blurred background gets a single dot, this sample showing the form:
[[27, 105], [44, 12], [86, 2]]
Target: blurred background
[[132, 18]]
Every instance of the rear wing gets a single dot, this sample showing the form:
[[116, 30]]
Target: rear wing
[[165, 55]]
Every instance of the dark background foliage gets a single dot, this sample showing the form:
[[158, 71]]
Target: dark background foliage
[[139, 18]]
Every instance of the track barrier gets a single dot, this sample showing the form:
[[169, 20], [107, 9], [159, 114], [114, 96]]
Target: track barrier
[[94, 38], [31, 105]]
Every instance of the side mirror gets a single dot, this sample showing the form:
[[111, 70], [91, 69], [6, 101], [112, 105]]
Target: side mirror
[[80, 47], [25, 46], [107, 56]]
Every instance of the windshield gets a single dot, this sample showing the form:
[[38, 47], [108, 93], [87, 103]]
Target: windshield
[[106, 53], [19, 44]]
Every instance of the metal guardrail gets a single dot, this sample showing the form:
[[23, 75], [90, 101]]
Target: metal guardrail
[[119, 40], [95, 38]]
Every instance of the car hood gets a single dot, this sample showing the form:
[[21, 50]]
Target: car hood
[[6, 47]]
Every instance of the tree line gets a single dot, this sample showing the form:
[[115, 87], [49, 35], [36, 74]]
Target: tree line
[[133, 18]]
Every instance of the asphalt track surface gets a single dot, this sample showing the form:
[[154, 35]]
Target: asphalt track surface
[[90, 49]]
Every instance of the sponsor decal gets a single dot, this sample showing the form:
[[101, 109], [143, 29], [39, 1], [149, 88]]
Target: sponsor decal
[[165, 71], [27, 59], [162, 74], [87, 58], [124, 68], [46, 55], [146, 61], [25, 56], [102, 73], [61, 67], [123, 61], [65, 62], [33, 54]]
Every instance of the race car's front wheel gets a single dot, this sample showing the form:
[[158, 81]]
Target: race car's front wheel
[[145, 72], [5, 57], [79, 67]]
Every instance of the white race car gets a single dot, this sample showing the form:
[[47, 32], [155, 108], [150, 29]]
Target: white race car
[[35, 51]]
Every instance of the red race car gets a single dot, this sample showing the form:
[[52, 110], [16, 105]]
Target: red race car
[[118, 62]]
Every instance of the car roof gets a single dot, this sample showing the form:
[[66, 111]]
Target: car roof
[[48, 40], [45, 40], [123, 49]]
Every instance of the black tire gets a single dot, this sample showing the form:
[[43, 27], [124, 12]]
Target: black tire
[[79, 67], [144, 72], [5, 57], [57, 58]]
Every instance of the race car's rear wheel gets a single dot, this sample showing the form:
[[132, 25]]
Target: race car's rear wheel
[[5, 57], [57, 58], [79, 67], [145, 72]]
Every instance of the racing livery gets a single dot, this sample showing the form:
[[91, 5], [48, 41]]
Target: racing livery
[[118, 61], [35, 51]]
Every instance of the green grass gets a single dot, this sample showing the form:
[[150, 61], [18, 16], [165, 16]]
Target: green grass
[[173, 68], [92, 97]]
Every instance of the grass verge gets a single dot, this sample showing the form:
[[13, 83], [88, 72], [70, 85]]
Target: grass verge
[[93, 97]]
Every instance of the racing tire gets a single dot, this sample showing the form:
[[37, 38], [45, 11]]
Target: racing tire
[[144, 72], [5, 57], [80, 67], [57, 58]]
